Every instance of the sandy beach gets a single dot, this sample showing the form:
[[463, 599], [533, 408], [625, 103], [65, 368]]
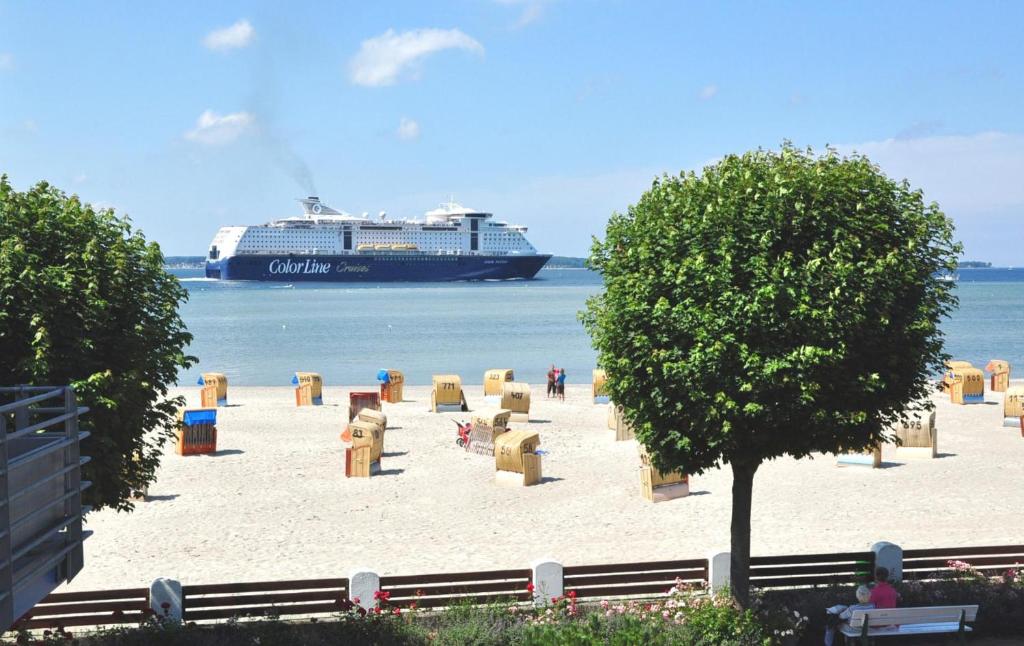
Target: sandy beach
[[274, 502]]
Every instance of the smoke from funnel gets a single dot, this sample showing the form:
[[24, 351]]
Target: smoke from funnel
[[289, 161], [263, 103]]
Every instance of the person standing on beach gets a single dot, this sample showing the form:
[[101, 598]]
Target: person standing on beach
[[551, 381], [561, 384]]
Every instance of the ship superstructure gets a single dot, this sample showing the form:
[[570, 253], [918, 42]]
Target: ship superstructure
[[451, 242]]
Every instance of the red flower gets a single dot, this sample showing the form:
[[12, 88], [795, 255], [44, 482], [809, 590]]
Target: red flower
[[571, 594], [396, 611], [355, 600], [529, 587], [420, 593], [377, 610], [412, 606]]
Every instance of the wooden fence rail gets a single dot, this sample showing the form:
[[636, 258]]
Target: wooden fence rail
[[438, 590], [632, 579], [768, 572], [263, 599], [932, 564], [94, 608]]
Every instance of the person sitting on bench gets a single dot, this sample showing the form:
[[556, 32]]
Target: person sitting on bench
[[841, 613], [883, 595]]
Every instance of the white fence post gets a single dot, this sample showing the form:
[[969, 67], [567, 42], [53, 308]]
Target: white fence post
[[547, 581], [889, 556], [165, 599], [719, 569], [363, 584]]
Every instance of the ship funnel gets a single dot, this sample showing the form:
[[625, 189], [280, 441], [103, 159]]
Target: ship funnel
[[313, 206]]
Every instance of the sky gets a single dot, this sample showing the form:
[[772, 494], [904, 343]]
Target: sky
[[552, 114]]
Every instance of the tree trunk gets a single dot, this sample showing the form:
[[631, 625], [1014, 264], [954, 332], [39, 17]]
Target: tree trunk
[[742, 496]]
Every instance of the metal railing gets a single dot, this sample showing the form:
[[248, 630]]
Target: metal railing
[[40, 495]]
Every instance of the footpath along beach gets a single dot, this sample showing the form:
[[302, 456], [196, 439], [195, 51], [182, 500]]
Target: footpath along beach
[[274, 502]]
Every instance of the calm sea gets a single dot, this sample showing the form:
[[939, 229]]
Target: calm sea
[[260, 333]]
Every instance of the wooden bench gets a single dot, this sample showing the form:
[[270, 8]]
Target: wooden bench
[[865, 625]]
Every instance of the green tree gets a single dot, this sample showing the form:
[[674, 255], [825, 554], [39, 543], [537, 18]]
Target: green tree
[[84, 300], [780, 303]]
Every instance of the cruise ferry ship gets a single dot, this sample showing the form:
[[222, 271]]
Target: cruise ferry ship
[[452, 242]]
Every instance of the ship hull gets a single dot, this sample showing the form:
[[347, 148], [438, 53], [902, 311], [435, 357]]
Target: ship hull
[[372, 269]]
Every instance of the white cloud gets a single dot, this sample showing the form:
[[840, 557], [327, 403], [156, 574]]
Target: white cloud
[[707, 92], [408, 129], [382, 59], [79, 178], [963, 173], [6, 61], [213, 129], [236, 36]]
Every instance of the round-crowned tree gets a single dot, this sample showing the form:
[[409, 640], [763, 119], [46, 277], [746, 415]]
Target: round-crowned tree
[[778, 303], [85, 301]]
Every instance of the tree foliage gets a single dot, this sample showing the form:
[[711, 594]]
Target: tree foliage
[[84, 300], [780, 303]]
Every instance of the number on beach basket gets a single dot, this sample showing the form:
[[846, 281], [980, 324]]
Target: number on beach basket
[[446, 395], [968, 386], [308, 389], [197, 431], [219, 383], [494, 379], [1000, 375], [515, 396], [515, 460], [597, 387]]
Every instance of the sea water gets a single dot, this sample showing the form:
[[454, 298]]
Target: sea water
[[260, 333]]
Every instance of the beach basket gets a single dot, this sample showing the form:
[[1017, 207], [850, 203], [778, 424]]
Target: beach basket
[[494, 379], [196, 433], [968, 386], [219, 382], [515, 460], [309, 389], [917, 436], [485, 426], [1013, 406], [208, 396], [869, 458], [367, 434], [597, 389], [446, 394], [617, 422], [515, 396], [948, 378], [999, 372], [357, 401], [358, 463], [657, 486], [391, 390]]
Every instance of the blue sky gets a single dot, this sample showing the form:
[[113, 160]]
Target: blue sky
[[550, 114]]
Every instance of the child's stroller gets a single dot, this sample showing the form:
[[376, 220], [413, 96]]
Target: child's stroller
[[464, 429]]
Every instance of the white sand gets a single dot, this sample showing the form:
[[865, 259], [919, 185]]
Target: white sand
[[275, 503]]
